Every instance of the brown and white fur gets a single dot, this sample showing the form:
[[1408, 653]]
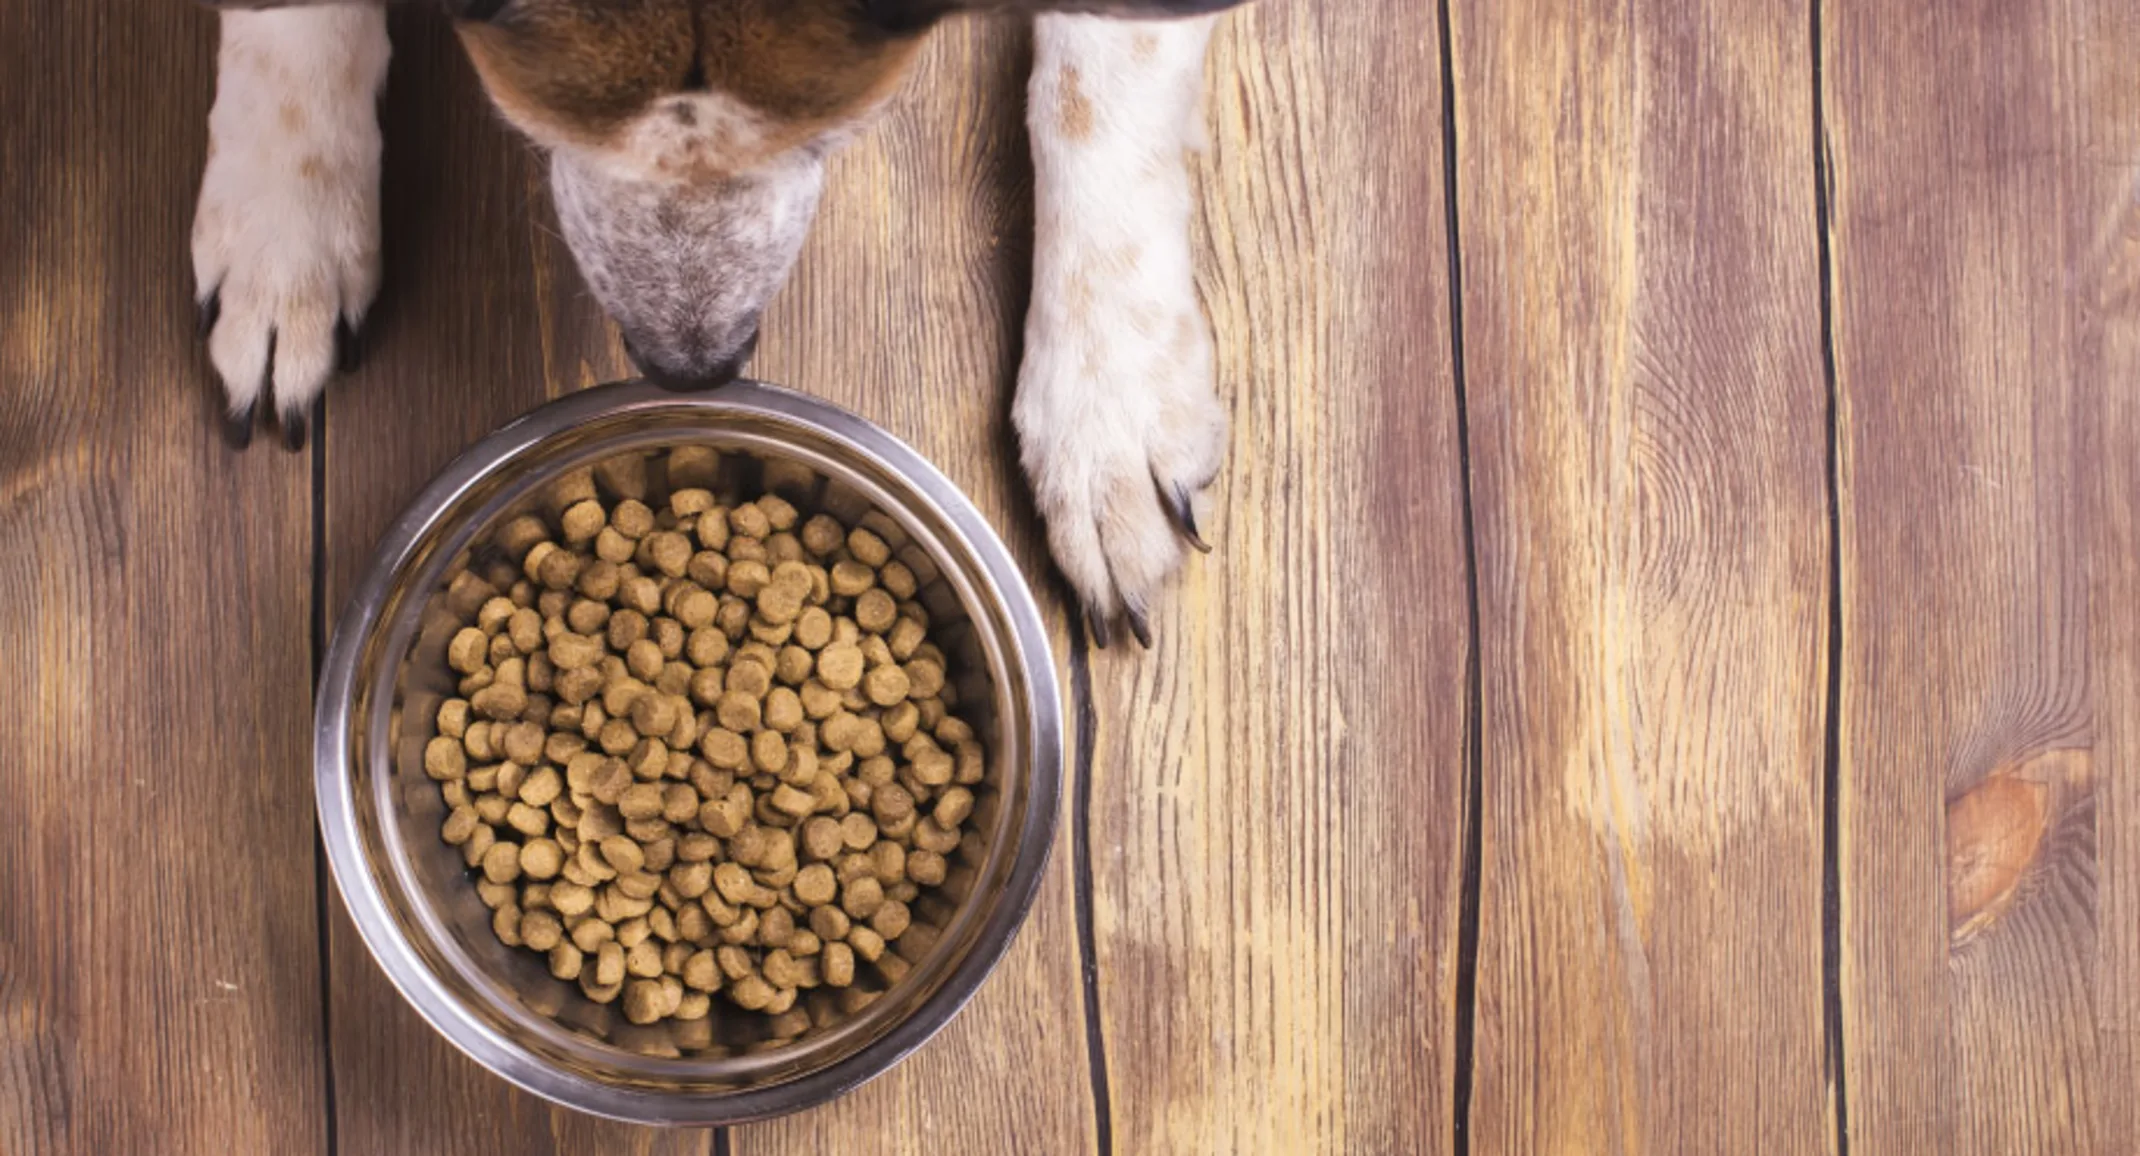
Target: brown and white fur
[[687, 141]]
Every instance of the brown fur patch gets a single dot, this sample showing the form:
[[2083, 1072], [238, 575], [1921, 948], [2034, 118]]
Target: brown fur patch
[[1076, 112], [579, 70], [293, 117]]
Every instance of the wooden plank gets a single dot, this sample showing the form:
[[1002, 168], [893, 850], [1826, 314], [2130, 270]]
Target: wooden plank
[[1278, 790], [159, 970], [481, 319], [1986, 233], [907, 307], [1644, 383]]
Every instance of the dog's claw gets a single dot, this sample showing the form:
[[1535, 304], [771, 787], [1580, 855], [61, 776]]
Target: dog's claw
[[348, 346], [238, 427], [1096, 622], [210, 311], [294, 428], [1183, 511], [1140, 624]]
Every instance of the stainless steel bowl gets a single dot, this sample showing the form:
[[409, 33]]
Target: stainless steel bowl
[[385, 674]]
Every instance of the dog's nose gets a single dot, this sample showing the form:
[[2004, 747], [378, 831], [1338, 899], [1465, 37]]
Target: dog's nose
[[688, 372]]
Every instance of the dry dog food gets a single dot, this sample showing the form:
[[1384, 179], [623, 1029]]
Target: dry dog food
[[702, 750]]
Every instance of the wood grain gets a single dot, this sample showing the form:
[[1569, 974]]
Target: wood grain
[[478, 323], [1279, 788], [907, 307], [1643, 376], [159, 982], [1986, 237]]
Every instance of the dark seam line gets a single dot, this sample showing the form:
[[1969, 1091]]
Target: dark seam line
[[1467, 936], [321, 901], [1831, 770], [1088, 726]]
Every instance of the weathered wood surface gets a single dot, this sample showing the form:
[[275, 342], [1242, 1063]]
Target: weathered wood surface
[[1986, 234], [1378, 857], [1278, 790], [1647, 430], [159, 956]]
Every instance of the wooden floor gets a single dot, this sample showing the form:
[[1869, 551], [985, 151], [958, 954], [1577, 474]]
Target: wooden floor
[[1669, 681]]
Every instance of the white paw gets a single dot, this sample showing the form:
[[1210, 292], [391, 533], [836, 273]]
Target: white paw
[[286, 235], [1119, 431]]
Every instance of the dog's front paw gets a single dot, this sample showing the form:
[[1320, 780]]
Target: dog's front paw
[[1120, 431], [286, 235]]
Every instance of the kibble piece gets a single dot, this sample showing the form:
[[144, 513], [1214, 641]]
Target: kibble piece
[[468, 651], [542, 859], [727, 816], [541, 930], [670, 552], [492, 808], [780, 514], [953, 807], [829, 923], [891, 803], [769, 751], [751, 993], [750, 519], [566, 960], [453, 718], [775, 927], [926, 678], [724, 748], [860, 898], [927, 868], [851, 578], [838, 966], [643, 959], [571, 899], [821, 839], [875, 611], [898, 579], [813, 629], [891, 920], [886, 685], [819, 702], [868, 548], [839, 666], [642, 801], [737, 711], [461, 823], [815, 885], [691, 879], [501, 863], [701, 972], [445, 759], [793, 665], [866, 943], [478, 845], [893, 967], [783, 710], [888, 862], [931, 836]]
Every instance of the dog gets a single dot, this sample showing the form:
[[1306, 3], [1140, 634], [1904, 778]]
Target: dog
[[687, 141]]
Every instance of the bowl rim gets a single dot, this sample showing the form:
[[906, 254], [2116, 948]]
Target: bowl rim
[[1027, 650]]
